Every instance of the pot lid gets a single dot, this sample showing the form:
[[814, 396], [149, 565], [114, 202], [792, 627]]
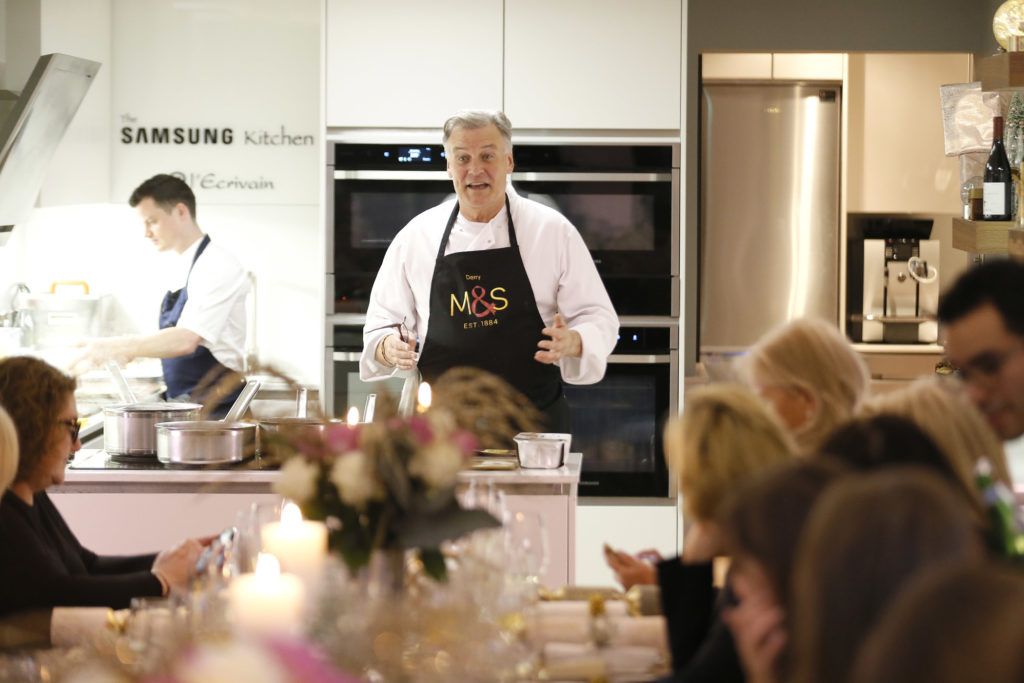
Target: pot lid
[[154, 407]]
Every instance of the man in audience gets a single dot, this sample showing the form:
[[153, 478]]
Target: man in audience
[[983, 317]]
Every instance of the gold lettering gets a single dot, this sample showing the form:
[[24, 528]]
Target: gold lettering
[[463, 307], [497, 299], [472, 277]]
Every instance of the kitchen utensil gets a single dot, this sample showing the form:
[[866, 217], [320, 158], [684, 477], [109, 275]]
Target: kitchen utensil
[[276, 431], [542, 450], [130, 429], [210, 442]]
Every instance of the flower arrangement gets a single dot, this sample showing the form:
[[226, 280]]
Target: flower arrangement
[[385, 485]]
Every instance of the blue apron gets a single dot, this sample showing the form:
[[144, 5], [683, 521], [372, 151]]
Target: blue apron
[[190, 376]]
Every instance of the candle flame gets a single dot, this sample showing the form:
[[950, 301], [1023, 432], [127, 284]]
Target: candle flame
[[352, 416], [267, 566], [423, 397], [291, 515]]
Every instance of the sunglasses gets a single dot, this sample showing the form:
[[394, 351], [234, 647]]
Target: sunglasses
[[73, 427]]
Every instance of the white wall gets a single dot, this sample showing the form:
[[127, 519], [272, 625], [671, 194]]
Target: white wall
[[247, 64]]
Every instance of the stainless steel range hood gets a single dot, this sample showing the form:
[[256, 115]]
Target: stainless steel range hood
[[30, 134]]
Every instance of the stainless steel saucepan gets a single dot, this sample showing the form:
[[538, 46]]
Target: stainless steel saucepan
[[276, 431], [130, 429], [210, 442]]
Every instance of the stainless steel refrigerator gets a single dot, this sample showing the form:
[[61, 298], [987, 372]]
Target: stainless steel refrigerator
[[769, 209]]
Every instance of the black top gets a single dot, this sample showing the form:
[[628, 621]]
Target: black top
[[701, 644], [43, 565]]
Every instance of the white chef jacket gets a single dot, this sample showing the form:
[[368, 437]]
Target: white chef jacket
[[215, 309], [559, 266]]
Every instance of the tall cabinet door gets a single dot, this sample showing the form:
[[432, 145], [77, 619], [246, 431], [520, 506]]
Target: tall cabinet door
[[409, 63], [593, 63]]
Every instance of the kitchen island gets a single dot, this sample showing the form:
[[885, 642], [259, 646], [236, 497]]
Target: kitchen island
[[117, 508]]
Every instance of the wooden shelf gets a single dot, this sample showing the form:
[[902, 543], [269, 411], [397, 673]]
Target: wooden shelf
[[1003, 71], [988, 237], [981, 237]]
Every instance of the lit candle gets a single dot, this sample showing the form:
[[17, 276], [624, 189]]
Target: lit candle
[[300, 545], [267, 602], [423, 398], [352, 416]]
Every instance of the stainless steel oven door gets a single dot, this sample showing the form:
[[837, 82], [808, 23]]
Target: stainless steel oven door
[[627, 221], [617, 423], [370, 207], [343, 388]]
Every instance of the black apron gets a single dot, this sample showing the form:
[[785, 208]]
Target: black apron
[[184, 374], [483, 314]]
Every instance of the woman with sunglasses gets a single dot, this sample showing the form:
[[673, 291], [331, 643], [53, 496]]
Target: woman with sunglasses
[[42, 564]]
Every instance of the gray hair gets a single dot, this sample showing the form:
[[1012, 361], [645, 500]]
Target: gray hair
[[472, 119]]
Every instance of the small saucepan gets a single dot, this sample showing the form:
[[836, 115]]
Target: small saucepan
[[210, 442], [130, 429], [276, 432]]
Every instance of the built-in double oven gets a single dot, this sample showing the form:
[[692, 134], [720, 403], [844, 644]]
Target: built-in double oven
[[624, 200]]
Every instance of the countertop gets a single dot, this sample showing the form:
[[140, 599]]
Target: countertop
[[94, 466]]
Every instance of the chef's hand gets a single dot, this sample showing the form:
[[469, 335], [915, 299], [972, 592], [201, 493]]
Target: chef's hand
[[395, 353], [563, 343], [94, 353]]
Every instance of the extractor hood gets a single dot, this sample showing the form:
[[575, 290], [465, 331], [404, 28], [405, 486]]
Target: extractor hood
[[31, 132]]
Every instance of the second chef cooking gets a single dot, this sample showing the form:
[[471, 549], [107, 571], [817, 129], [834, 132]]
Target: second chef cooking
[[490, 280]]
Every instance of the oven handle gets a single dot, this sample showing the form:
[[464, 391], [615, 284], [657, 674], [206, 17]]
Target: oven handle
[[527, 176], [391, 175], [639, 359], [347, 356]]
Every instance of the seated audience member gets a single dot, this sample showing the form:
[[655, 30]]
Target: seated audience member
[[951, 626], [8, 450], [867, 539], [42, 564], [810, 375], [983, 321], [761, 527], [725, 436], [951, 421]]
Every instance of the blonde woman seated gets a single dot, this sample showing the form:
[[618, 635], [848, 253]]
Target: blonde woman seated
[[724, 437], [810, 375], [955, 425], [8, 450]]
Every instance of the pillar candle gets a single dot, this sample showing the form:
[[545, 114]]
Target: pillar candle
[[267, 602], [301, 546]]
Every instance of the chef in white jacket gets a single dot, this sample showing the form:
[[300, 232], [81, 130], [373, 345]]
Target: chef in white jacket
[[491, 280]]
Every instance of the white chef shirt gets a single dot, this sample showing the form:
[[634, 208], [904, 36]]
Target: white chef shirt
[[215, 309], [559, 266]]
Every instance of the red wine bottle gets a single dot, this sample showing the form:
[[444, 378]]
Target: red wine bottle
[[998, 204]]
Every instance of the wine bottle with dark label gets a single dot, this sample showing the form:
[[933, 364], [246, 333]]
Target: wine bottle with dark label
[[998, 201]]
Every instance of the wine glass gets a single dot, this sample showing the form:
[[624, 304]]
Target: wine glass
[[527, 546]]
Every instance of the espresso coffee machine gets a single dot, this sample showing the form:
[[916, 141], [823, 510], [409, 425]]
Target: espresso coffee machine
[[899, 281]]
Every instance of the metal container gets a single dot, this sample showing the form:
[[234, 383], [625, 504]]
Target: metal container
[[131, 429], [210, 442], [274, 430], [62, 317], [205, 442], [542, 450]]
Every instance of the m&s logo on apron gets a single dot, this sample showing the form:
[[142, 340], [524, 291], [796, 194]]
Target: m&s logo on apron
[[479, 302]]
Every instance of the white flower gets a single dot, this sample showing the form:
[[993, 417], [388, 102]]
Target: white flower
[[353, 476], [297, 480], [437, 464], [231, 662]]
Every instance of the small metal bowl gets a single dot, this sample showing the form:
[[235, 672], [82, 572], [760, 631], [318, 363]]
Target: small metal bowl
[[542, 450]]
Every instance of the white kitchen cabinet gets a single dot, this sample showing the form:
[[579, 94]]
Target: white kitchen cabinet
[[408, 63], [896, 161], [593, 64]]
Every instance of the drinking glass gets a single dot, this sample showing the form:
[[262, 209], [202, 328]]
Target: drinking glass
[[527, 546], [249, 522]]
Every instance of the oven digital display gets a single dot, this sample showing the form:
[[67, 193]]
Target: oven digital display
[[413, 156]]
